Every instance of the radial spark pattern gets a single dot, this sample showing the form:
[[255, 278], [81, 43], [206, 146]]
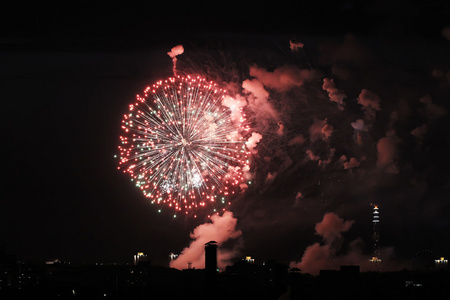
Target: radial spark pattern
[[182, 146]]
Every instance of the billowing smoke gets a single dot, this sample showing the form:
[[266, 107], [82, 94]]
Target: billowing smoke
[[420, 131], [221, 229], [177, 50], [370, 103], [297, 140], [432, 110], [343, 128], [352, 163], [283, 78], [295, 45], [388, 153], [235, 104], [334, 94], [317, 257], [253, 140], [320, 130], [330, 254], [258, 99], [331, 227]]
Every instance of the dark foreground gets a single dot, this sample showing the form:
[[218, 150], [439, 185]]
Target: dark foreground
[[241, 281]]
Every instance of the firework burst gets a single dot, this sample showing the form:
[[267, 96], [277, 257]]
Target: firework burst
[[182, 146]]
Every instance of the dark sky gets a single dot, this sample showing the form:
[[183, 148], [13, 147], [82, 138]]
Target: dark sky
[[69, 71]]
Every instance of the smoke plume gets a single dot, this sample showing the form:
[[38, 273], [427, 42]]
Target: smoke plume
[[330, 255], [177, 50], [332, 126], [388, 153], [258, 99], [221, 229], [253, 140], [283, 78]]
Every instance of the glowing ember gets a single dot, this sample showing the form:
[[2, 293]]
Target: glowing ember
[[181, 145]]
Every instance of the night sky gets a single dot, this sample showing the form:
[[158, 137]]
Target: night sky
[[68, 73]]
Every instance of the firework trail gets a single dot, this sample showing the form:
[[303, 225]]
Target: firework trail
[[182, 146]]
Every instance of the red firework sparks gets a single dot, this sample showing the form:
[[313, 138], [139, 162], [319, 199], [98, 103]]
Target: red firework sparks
[[182, 147]]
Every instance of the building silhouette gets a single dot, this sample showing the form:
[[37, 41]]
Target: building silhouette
[[211, 257], [269, 280], [441, 263], [139, 258]]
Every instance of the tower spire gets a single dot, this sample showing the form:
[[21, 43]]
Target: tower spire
[[376, 252]]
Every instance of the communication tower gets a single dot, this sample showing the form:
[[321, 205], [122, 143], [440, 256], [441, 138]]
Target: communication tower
[[376, 252]]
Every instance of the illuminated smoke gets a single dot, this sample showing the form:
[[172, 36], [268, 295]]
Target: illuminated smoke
[[387, 148], [320, 130], [334, 94], [432, 110], [359, 126], [297, 140], [420, 131], [311, 155], [317, 256], [280, 130], [253, 140], [370, 103], [177, 50], [283, 78], [235, 104], [329, 255], [221, 229], [270, 177], [294, 45], [352, 163], [329, 159], [298, 116], [258, 99], [331, 227]]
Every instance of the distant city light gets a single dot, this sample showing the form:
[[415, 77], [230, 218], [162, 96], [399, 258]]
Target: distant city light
[[441, 262], [173, 256], [249, 259], [139, 257]]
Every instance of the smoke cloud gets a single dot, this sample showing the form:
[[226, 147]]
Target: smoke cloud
[[295, 45], [320, 130], [311, 155], [432, 110], [258, 99], [177, 50], [316, 256], [420, 131], [352, 163], [221, 229], [370, 103], [283, 78], [331, 227], [235, 104], [334, 94], [327, 133], [253, 140], [297, 140], [387, 148], [330, 255]]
